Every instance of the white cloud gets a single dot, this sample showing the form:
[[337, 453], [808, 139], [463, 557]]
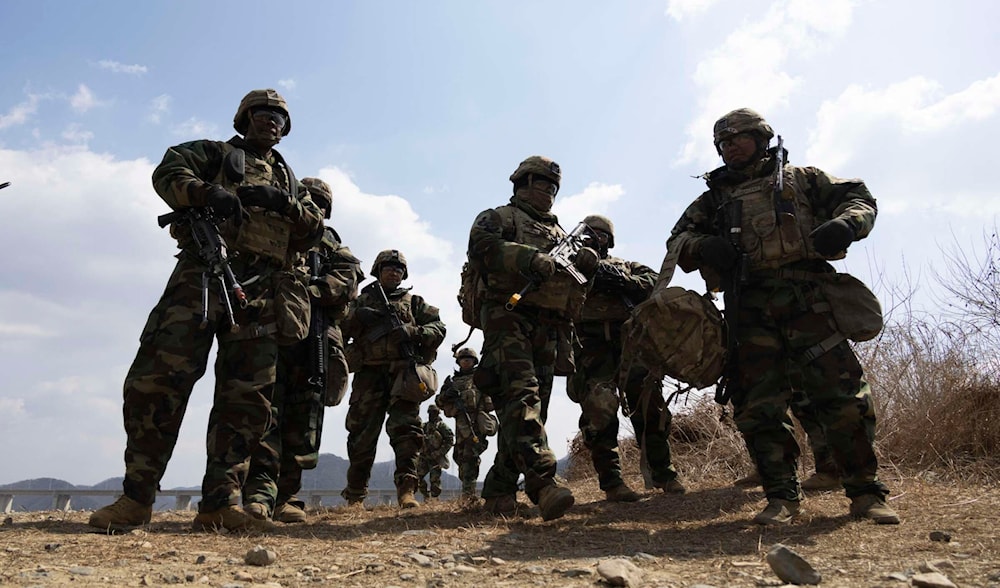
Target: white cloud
[[23, 330], [749, 67], [117, 67], [83, 100], [915, 106], [158, 107], [194, 127], [596, 198], [20, 113], [75, 134], [288, 84], [681, 9]]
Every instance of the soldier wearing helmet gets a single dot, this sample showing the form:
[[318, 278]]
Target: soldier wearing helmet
[[619, 285], [474, 420], [384, 341], [291, 442], [526, 345], [764, 233], [267, 220], [438, 440]]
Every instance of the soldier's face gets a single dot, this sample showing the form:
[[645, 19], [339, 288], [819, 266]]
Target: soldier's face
[[265, 128], [738, 150], [390, 275], [466, 363]]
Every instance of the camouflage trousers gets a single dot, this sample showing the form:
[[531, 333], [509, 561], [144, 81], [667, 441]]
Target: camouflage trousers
[[779, 322], [822, 454], [172, 356], [370, 404], [594, 388], [516, 371], [292, 441], [429, 476], [466, 455]]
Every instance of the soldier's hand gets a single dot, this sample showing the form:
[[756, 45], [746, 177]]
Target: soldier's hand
[[586, 261], [832, 237], [267, 197], [718, 253], [543, 265], [224, 203], [407, 332]]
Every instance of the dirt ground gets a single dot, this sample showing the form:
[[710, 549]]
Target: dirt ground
[[703, 537]]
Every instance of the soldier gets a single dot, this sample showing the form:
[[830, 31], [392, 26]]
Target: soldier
[[379, 352], [474, 420], [305, 384], [774, 255], [618, 286], [510, 245], [270, 221], [438, 440]]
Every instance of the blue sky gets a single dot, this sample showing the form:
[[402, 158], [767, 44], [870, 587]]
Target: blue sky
[[417, 113]]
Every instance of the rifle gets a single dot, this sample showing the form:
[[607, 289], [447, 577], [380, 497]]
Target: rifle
[[319, 345], [406, 346], [460, 405], [213, 254], [611, 278], [4, 185], [563, 253], [732, 228]]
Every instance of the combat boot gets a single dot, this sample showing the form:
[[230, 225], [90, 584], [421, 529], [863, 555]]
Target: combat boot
[[871, 506], [123, 513], [505, 505], [822, 481], [778, 512], [289, 513], [257, 510], [672, 487], [621, 493], [554, 501], [230, 518], [405, 494]]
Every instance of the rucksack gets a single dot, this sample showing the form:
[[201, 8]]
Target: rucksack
[[678, 333], [471, 294]]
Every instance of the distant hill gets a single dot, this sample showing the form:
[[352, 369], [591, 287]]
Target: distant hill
[[331, 473]]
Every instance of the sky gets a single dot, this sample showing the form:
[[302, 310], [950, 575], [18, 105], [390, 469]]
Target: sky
[[416, 113]]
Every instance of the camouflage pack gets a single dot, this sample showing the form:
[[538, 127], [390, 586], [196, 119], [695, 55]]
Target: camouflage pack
[[856, 309], [471, 294], [677, 333], [416, 382]]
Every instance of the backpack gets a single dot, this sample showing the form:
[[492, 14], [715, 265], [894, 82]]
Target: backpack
[[471, 294], [678, 333]]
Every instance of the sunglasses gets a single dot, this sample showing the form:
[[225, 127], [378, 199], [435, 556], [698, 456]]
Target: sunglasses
[[269, 115]]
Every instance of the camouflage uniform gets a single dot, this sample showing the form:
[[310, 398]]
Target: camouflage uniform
[[782, 314], [618, 286], [438, 440], [520, 345], [173, 351], [292, 440], [460, 399], [375, 364]]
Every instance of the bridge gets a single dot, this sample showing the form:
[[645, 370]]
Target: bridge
[[313, 497]]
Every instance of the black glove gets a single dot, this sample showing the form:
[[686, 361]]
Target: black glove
[[369, 316], [832, 237], [607, 279], [224, 203], [543, 265], [586, 261], [718, 253], [267, 197]]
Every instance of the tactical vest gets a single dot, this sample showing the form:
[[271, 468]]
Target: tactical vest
[[560, 292], [769, 242], [604, 305], [265, 233], [433, 441], [385, 349]]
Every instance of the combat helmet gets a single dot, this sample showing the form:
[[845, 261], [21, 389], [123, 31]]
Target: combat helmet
[[466, 352], [538, 165], [601, 223], [266, 97], [741, 120], [321, 193], [389, 256]]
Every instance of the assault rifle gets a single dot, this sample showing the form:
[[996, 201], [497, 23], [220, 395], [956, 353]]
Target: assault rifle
[[611, 278], [4, 185], [732, 229], [406, 346], [319, 345], [212, 253], [562, 254], [460, 405]]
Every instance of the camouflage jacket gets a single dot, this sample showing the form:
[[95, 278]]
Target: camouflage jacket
[[812, 195], [337, 285], [371, 342], [188, 170], [461, 400], [438, 440], [619, 285]]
